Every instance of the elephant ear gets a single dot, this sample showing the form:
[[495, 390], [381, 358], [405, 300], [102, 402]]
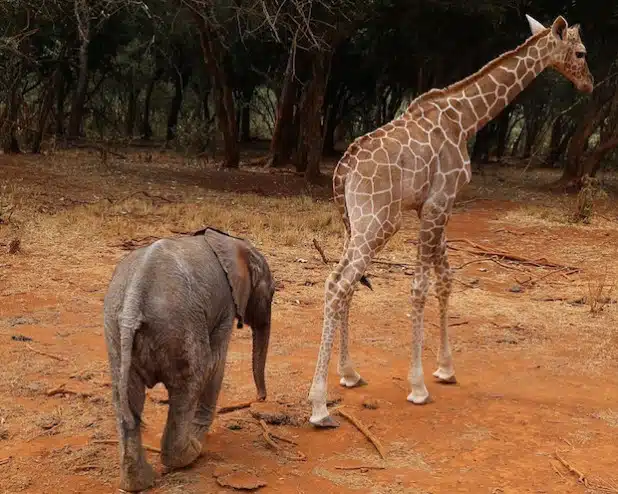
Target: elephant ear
[[234, 256]]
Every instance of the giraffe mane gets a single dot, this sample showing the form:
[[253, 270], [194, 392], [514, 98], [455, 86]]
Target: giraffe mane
[[433, 94]]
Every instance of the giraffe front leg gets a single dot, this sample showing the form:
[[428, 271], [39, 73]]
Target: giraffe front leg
[[444, 278], [420, 287]]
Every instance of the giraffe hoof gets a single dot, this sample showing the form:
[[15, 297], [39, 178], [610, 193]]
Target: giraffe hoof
[[351, 384], [443, 378], [420, 400], [325, 423]]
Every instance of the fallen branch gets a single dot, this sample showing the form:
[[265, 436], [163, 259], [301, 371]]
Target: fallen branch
[[61, 390], [4, 461], [321, 251], [468, 285], [534, 281], [44, 432], [268, 437], [505, 230], [581, 477], [539, 263], [153, 449], [553, 465], [82, 468], [367, 433], [489, 259], [452, 325], [55, 391], [361, 467], [233, 408], [50, 355]]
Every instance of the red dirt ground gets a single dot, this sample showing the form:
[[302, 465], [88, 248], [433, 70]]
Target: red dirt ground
[[536, 376]]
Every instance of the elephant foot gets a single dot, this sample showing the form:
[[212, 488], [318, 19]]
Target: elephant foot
[[180, 459], [138, 478]]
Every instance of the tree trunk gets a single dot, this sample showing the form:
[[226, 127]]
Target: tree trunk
[[181, 79], [281, 144], [574, 169], [312, 102], [222, 92], [131, 108], [46, 106], [502, 130], [245, 123], [329, 131], [61, 96], [79, 98], [10, 144], [480, 150], [146, 128]]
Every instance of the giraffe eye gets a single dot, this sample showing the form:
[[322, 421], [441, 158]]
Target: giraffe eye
[[580, 54]]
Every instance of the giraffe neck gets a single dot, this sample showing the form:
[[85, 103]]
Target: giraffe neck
[[486, 93]]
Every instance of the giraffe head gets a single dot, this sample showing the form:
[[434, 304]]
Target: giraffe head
[[568, 53]]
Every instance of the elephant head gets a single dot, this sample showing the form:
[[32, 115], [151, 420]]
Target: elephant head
[[252, 289]]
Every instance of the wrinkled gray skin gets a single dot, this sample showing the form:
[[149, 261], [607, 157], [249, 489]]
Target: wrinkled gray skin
[[169, 312]]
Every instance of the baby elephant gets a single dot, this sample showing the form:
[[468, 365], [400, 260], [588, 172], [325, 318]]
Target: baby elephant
[[169, 312]]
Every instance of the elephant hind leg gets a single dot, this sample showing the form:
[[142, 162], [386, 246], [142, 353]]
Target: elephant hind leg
[[206, 407], [136, 474], [179, 447]]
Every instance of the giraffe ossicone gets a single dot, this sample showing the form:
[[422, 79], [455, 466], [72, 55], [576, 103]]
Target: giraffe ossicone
[[419, 161]]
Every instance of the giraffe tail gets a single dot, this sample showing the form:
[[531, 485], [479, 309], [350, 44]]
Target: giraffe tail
[[365, 281]]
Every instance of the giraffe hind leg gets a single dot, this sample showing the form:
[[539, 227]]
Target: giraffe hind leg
[[445, 373], [337, 296]]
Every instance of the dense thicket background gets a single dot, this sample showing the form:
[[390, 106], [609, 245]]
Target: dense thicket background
[[304, 76]]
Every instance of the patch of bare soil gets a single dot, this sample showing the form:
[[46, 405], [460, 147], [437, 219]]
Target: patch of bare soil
[[534, 331]]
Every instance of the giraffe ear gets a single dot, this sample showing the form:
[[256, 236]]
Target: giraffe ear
[[559, 28], [535, 26]]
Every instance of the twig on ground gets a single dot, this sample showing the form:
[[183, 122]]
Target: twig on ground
[[44, 432], [581, 477], [150, 196], [361, 427], [463, 203], [268, 437], [4, 461], [55, 391], [553, 465], [452, 325], [495, 253], [534, 281], [61, 390], [469, 285], [233, 408], [81, 468], [391, 263], [50, 355], [361, 467], [506, 230], [153, 449], [318, 247]]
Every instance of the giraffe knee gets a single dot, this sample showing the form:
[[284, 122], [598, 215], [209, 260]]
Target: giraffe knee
[[419, 291]]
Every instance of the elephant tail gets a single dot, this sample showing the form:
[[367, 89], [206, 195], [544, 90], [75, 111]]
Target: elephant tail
[[128, 328]]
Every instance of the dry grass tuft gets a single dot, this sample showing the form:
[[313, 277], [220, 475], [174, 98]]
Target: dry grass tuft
[[609, 416], [600, 290]]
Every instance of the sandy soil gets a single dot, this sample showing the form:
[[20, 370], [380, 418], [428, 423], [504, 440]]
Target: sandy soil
[[537, 369]]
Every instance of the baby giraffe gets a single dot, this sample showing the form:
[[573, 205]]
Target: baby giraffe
[[419, 161]]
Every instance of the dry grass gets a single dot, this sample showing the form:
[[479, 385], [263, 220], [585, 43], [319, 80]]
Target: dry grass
[[600, 291]]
